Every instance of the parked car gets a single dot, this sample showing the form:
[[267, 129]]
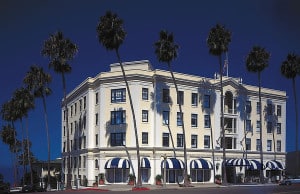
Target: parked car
[[32, 188], [290, 180]]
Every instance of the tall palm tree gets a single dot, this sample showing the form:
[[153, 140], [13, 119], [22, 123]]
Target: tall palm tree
[[257, 60], [111, 35], [23, 102], [290, 68], [218, 41], [37, 82], [60, 51], [166, 51]]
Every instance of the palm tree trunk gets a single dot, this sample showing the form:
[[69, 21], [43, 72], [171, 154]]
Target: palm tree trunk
[[139, 177], [48, 137], [274, 144], [260, 132], [15, 156], [28, 153], [212, 151], [130, 161], [69, 175], [23, 149], [222, 123], [172, 140], [297, 127], [186, 181]]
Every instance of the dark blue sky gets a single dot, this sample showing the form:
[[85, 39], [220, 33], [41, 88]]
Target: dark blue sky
[[25, 25]]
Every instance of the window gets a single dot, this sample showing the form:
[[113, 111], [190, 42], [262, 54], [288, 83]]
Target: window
[[206, 141], [166, 95], [64, 131], [71, 143], [257, 108], [96, 118], [118, 95], [179, 140], [144, 138], [278, 146], [96, 139], [71, 128], [269, 145], [145, 93], [84, 102], [75, 144], [96, 164], [248, 106], [248, 143], [194, 99], [64, 115], [206, 102], [97, 98], [180, 97], [269, 109], [179, 119], [117, 139], [84, 121], [194, 140], [257, 126], [194, 120], [166, 115], [248, 125], [165, 140], [84, 161], [84, 141], [278, 128], [64, 148], [258, 144], [71, 110], [269, 127], [80, 104], [144, 115], [279, 110], [79, 161], [206, 121], [75, 106], [118, 117]]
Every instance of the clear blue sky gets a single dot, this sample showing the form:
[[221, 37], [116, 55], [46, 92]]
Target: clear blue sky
[[25, 25]]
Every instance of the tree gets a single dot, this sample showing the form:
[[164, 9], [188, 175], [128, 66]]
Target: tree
[[23, 102], [60, 51], [37, 82], [290, 68], [166, 51], [217, 41], [111, 35], [257, 60]]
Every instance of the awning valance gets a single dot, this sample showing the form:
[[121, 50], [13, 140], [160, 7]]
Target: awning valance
[[173, 163], [145, 163], [274, 165], [255, 165], [238, 162], [201, 164], [117, 163]]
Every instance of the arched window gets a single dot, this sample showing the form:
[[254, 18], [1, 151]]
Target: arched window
[[96, 164]]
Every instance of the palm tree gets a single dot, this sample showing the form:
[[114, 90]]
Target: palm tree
[[290, 68], [23, 102], [60, 51], [37, 82], [111, 35], [166, 51], [256, 61], [217, 41]]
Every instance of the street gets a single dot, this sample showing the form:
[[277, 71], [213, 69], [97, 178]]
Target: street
[[251, 189]]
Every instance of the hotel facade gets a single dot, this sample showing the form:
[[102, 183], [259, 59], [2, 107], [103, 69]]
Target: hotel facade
[[102, 137]]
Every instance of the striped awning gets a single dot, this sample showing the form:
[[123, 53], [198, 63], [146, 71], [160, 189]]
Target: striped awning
[[274, 165], [201, 164], [173, 163], [255, 165], [145, 163], [238, 162], [117, 163]]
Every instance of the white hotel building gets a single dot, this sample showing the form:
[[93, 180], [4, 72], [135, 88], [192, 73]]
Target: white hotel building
[[102, 137]]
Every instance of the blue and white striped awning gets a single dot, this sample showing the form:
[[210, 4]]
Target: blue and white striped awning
[[145, 163], [117, 163], [201, 164], [255, 165], [274, 165], [173, 163], [238, 162]]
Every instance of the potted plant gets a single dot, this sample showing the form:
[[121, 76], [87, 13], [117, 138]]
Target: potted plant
[[101, 179], [218, 179], [131, 179], [158, 179]]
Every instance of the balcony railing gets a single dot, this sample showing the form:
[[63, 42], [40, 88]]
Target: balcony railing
[[230, 130], [230, 111]]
